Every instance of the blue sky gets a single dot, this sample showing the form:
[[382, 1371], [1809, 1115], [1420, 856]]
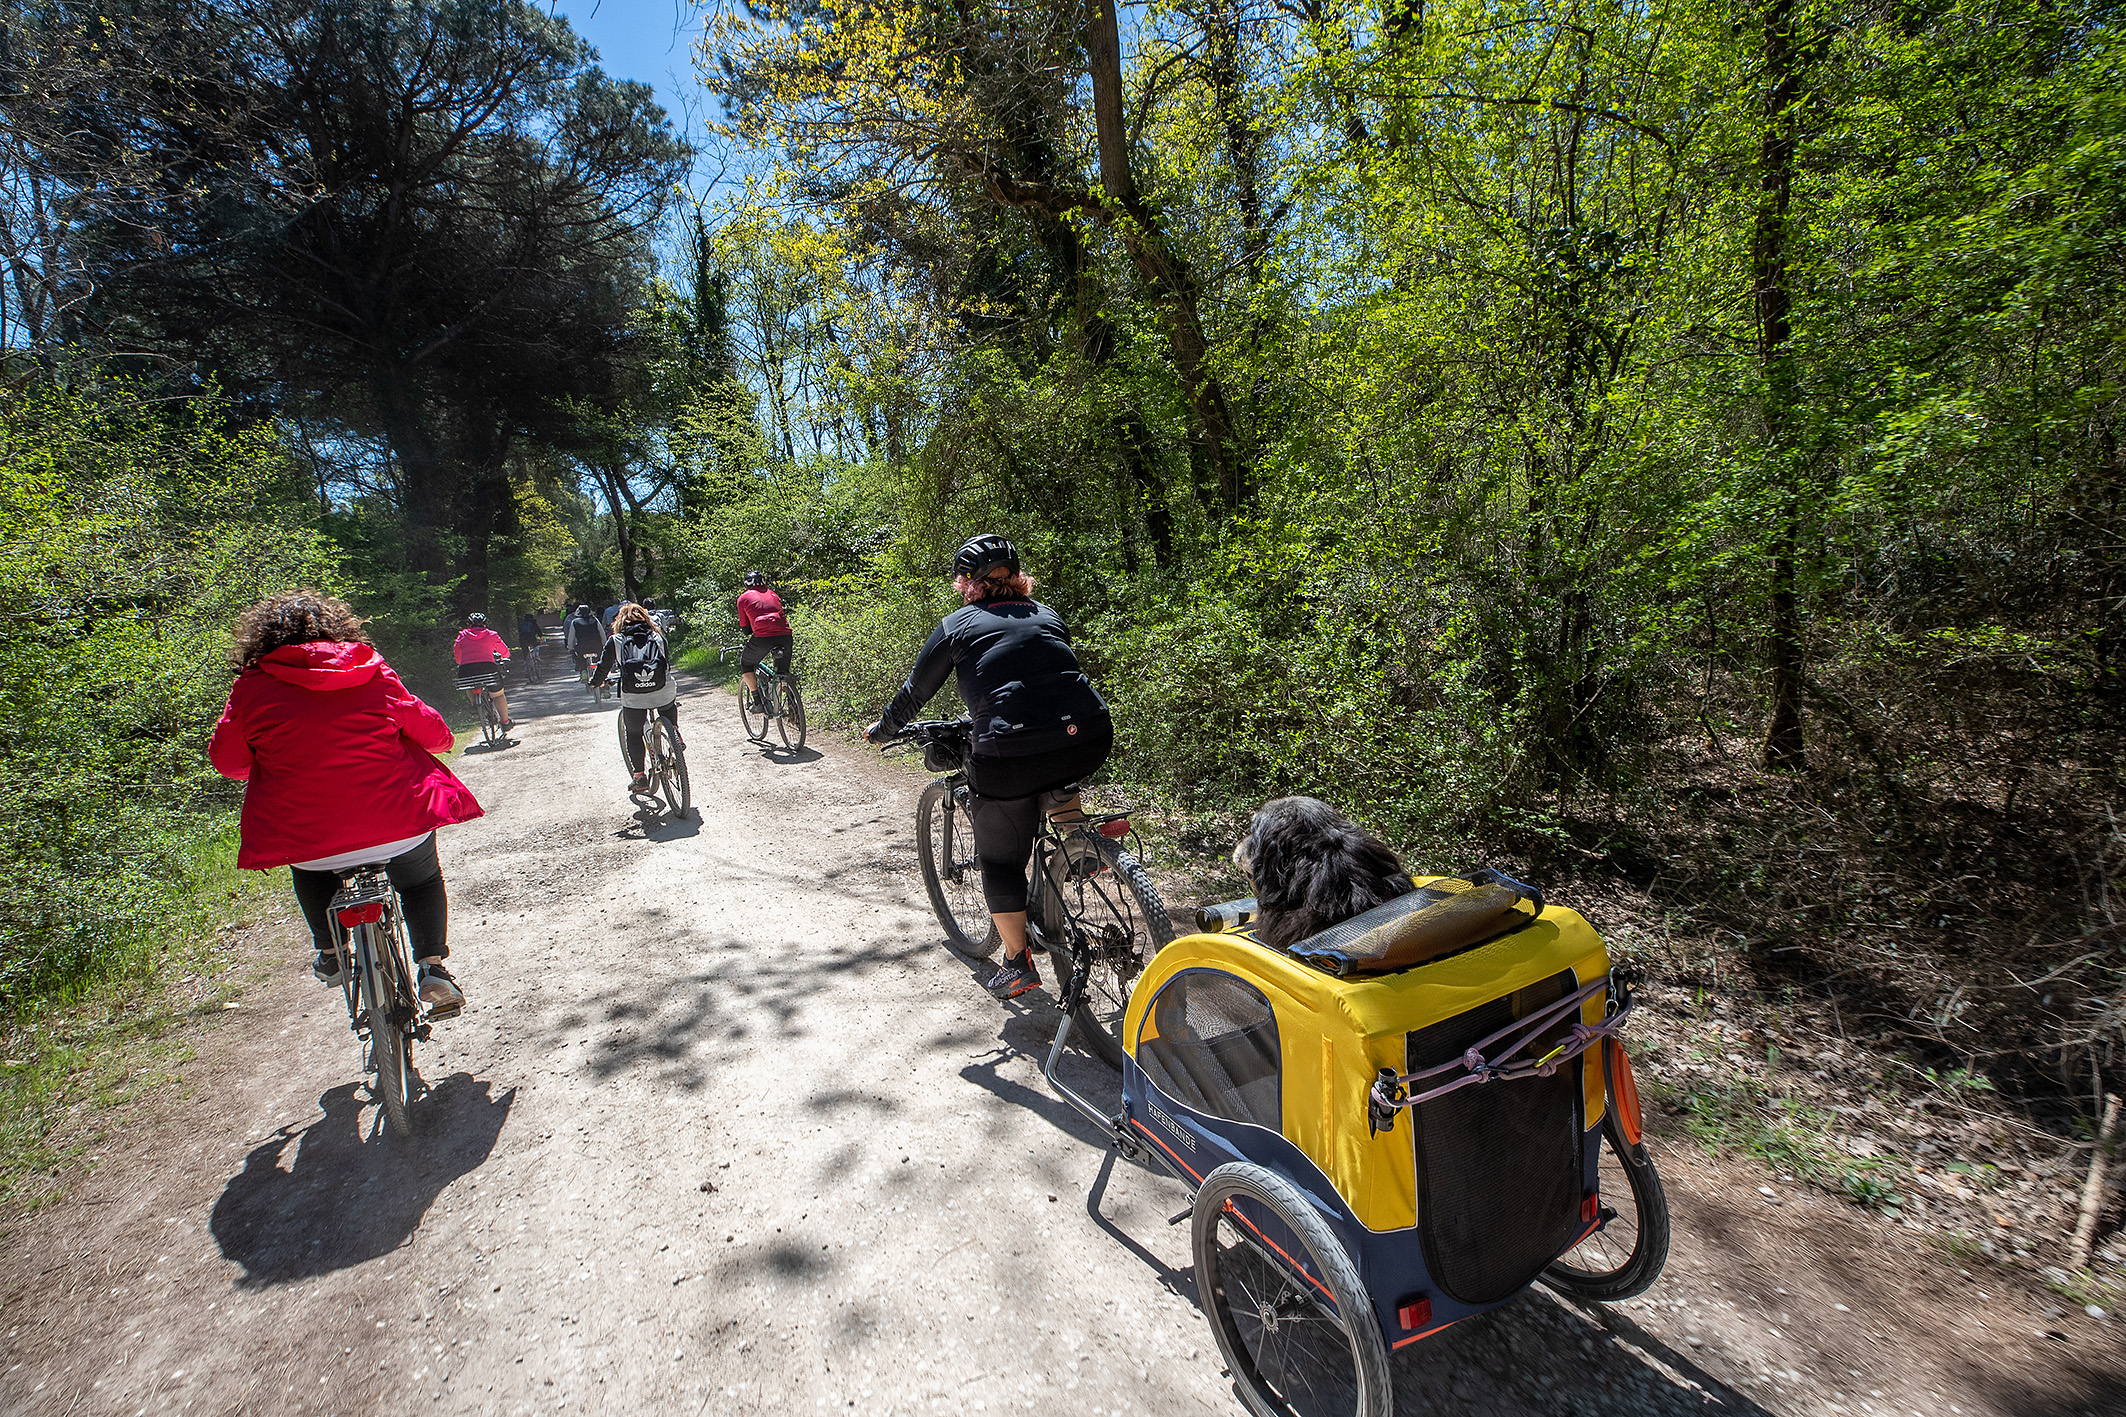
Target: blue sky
[[650, 40]]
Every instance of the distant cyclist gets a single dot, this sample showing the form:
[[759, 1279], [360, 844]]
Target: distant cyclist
[[528, 632], [638, 656], [1040, 728], [584, 636], [476, 650], [760, 615], [338, 762]]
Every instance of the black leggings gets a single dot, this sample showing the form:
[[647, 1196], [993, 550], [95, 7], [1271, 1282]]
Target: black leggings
[[418, 877], [1005, 805], [633, 721]]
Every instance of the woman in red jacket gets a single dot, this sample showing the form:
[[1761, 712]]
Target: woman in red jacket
[[339, 766]]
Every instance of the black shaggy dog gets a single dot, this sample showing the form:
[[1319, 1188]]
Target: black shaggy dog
[[1313, 867]]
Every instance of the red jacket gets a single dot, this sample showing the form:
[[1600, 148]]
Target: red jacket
[[337, 756], [760, 613]]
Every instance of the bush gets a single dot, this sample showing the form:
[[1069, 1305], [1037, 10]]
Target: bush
[[130, 537]]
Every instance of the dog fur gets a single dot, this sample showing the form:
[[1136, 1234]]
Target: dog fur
[[1313, 867]]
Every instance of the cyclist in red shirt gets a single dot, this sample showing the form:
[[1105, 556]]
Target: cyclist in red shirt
[[760, 615], [481, 653]]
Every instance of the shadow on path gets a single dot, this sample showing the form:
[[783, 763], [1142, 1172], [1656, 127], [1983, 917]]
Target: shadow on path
[[315, 1199]]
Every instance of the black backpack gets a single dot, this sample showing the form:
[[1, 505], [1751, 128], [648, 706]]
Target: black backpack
[[641, 664]]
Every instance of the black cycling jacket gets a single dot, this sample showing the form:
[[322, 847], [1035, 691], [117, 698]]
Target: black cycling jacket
[[1017, 672]]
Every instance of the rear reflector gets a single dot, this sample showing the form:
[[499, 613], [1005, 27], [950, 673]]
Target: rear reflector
[[363, 914], [1115, 831], [1590, 1209], [1624, 1091], [1414, 1314]]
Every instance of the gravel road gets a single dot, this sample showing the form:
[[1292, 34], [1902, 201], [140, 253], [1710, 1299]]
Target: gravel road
[[725, 1129]]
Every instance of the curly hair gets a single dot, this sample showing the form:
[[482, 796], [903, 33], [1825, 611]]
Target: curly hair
[[999, 584], [294, 617]]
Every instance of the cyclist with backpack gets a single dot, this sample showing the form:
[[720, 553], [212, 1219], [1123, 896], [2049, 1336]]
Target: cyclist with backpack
[[584, 635], [761, 616], [638, 656]]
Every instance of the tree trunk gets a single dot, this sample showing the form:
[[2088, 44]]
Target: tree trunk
[[424, 486], [1156, 263], [1784, 748]]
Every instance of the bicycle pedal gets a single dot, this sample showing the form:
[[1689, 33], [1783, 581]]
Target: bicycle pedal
[[1180, 1215], [438, 1013]]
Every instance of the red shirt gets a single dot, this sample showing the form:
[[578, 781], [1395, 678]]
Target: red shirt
[[336, 755], [760, 613]]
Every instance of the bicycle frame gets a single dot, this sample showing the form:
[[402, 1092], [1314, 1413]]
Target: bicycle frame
[[370, 934]]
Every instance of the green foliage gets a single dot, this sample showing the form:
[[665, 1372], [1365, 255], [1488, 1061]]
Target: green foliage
[[131, 534]]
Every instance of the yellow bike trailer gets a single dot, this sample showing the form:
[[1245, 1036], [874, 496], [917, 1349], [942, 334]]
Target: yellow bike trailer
[[1389, 1127]]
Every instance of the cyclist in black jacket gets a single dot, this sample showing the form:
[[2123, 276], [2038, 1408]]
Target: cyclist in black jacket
[[1039, 727]]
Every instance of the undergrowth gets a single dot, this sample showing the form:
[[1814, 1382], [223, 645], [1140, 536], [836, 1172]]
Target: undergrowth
[[107, 1036]]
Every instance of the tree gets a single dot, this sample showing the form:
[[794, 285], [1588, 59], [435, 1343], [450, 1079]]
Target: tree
[[428, 217]]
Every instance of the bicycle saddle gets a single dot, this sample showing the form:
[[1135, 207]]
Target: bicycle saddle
[[1432, 921]]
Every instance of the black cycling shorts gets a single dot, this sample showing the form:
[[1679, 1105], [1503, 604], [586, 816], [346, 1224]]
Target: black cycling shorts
[[1006, 799], [758, 649], [477, 675]]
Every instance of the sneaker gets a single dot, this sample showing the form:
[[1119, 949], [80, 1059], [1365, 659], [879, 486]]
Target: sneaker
[[439, 991], [640, 782], [1016, 977], [327, 969], [508, 727]]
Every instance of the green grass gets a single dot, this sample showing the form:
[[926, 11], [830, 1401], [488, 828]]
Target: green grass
[[118, 1029], [701, 661], [1790, 1136]]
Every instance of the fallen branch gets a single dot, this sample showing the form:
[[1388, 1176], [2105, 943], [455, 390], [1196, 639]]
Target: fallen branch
[[2093, 1188]]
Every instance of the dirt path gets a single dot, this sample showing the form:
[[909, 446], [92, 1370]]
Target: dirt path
[[726, 1130]]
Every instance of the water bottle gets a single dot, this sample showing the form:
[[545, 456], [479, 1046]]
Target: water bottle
[[1226, 915]]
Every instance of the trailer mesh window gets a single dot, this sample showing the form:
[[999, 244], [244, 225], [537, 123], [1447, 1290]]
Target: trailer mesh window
[[1209, 1041], [1498, 1164]]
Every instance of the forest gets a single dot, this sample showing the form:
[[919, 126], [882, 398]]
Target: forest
[[1671, 448]]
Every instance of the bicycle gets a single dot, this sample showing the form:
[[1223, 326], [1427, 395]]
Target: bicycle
[[383, 1003], [1094, 909], [483, 695], [780, 704], [534, 666], [585, 668], [664, 758]]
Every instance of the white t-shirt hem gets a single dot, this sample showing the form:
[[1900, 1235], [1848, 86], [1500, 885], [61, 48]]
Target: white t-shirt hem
[[363, 856]]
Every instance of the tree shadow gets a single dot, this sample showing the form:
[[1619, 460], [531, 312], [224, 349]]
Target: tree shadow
[[681, 1028], [314, 1199]]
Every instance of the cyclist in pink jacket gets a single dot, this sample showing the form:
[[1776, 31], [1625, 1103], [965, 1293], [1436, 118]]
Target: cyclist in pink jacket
[[481, 655]]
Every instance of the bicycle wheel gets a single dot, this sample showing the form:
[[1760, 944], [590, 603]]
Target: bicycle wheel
[[945, 837], [390, 1050], [1116, 913], [755, 724], [490, 720], [1627, 1254], [672, 770], [790, 723], [1284, 1299]]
